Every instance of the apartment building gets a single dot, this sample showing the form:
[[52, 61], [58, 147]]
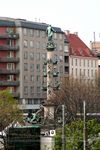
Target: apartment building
[[95, 46], [83, 64], [22, 55]]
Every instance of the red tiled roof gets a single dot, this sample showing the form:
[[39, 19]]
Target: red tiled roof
[[78, 47]]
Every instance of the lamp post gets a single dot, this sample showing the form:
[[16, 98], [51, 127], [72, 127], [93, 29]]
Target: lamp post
[[63, 128], [84, 127]]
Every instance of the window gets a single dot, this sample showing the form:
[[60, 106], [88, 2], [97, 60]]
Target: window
[[66, 69], [10, 54], [76, 62], [80, 72], [10, 77], [80, 62], [60, 36], [55, 35], [25, 77], [10, 42], [76, 71], [72, 71], [25, 89], [25, 67], [55, 46], [25, 55], [38, 45], [31, 32], [61, 69], [91, 63], [38, 89], [44, 68], [88, 63], [31, 55], [29, 101], [38, 67], [84, 62], [61, 47], [32, 89], [25, 44], [92, 73], [10, 66], [44, 56], [31, 78], [72, 61], [43, 34], [38, 56], [84, 72], [95, 73], [31, 44], [44, 46], [66, 48], [88, 72], [31, 67], [25, 31], [37, 33], [95, 63], [35, 101], [38, 78]]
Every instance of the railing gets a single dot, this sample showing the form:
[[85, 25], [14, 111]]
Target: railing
[[12, 59], [9, 83], [8, 47], [5, 71], [9, 36]]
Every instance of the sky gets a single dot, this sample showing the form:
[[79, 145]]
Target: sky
[[80, 16]]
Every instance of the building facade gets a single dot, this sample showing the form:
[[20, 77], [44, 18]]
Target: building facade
[[83, 64], [22, 55], [95, 46]]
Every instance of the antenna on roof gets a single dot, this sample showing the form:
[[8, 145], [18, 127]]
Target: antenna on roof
[[94, 39], [35, 19], [39, 19]]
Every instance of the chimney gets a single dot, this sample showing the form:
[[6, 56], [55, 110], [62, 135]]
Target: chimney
[[67, 32], [76, 33]]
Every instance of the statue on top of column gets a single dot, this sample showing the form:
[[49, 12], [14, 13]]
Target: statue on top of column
[[50, 31]]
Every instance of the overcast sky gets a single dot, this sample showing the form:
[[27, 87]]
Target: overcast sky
[[82, 16]]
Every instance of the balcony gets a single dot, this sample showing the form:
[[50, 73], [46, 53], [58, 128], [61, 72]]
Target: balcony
[[9, 36], [9, 83], [8, 47], [9, 60], [11, 72]]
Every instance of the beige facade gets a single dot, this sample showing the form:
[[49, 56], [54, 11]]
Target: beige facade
[[83, 68], [95, 46]]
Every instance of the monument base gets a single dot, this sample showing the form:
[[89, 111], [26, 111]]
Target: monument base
[[50, 46]]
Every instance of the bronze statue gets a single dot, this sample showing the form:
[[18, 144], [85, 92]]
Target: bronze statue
[[50, 31]]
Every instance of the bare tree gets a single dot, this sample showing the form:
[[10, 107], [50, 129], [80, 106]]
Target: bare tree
[[73, 92]]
